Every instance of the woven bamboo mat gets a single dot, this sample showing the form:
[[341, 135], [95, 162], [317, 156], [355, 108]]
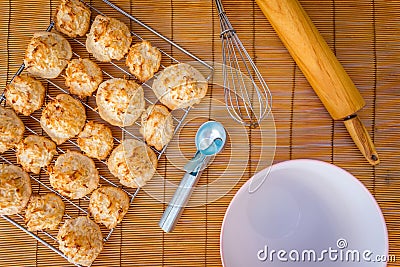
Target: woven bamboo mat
[[364, 36]]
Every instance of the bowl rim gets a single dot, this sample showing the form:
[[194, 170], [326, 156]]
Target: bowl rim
[[284, 164]]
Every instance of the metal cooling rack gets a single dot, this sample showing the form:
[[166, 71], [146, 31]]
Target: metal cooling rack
[[18, 220]]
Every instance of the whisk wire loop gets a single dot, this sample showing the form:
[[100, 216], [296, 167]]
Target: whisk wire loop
[[247, 96]]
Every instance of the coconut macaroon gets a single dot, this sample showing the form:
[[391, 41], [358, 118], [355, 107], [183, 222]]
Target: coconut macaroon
[[72, 18], [108, 205], [11, 129], [15, 189], [74, 175], [44, 212], [120, 102], [25, 94], [80, 239], [180, 86], [133, 162], [35, 152], [157, 126], [96, 140], [47, 54], [63, 118], [82, 77], [108, 39], [143, 60]]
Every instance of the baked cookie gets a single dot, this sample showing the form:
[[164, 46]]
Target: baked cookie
[[82, 77], [157, 126], [108, 205], [44, 212], [180, 86], [35, 152], [25, 94], [120, 102], [11, 129], [63, 118], [108, 39], [80, 239], [74, 175], [143, 60], [72, 18], [133, 162], [15, 189], [47, 54], [96, 140]]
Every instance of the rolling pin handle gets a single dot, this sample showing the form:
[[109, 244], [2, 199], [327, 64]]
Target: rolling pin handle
[[361, 138]]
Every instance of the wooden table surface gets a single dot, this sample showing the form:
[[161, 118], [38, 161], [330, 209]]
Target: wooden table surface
[[364, 34]]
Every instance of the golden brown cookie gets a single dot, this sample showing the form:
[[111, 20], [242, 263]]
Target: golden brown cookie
[[72, 18], [180, 86], [25, 94], [133, 162], [157, 126], [143, 60], [82, 77], [96, 140], [120, 102], [80, 239], [108, 39], [11, 129], [15, 189], [47, 54], [63, 118], [35, 152], [108, 205], [44, 212], [74, 175]]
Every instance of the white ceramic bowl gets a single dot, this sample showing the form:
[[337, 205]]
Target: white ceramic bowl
[[303, 208]]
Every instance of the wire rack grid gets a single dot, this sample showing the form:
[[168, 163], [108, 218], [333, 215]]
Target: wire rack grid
[[48, 238]]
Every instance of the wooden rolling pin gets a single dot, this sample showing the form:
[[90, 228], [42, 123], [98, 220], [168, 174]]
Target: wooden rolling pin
[[321, 68]]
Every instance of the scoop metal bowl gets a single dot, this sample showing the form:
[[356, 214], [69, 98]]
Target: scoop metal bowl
[[210, 140]]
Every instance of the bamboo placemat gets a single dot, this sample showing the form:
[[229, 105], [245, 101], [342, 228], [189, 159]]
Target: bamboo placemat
[[364, 36]]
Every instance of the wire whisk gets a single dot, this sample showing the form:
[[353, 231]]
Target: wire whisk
[[247, 96]]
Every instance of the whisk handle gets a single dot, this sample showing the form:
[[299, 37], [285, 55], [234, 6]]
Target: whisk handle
[[219, 6]]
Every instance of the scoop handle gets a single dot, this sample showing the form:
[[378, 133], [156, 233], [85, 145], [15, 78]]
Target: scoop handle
[[178, 202], [181, 197]]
